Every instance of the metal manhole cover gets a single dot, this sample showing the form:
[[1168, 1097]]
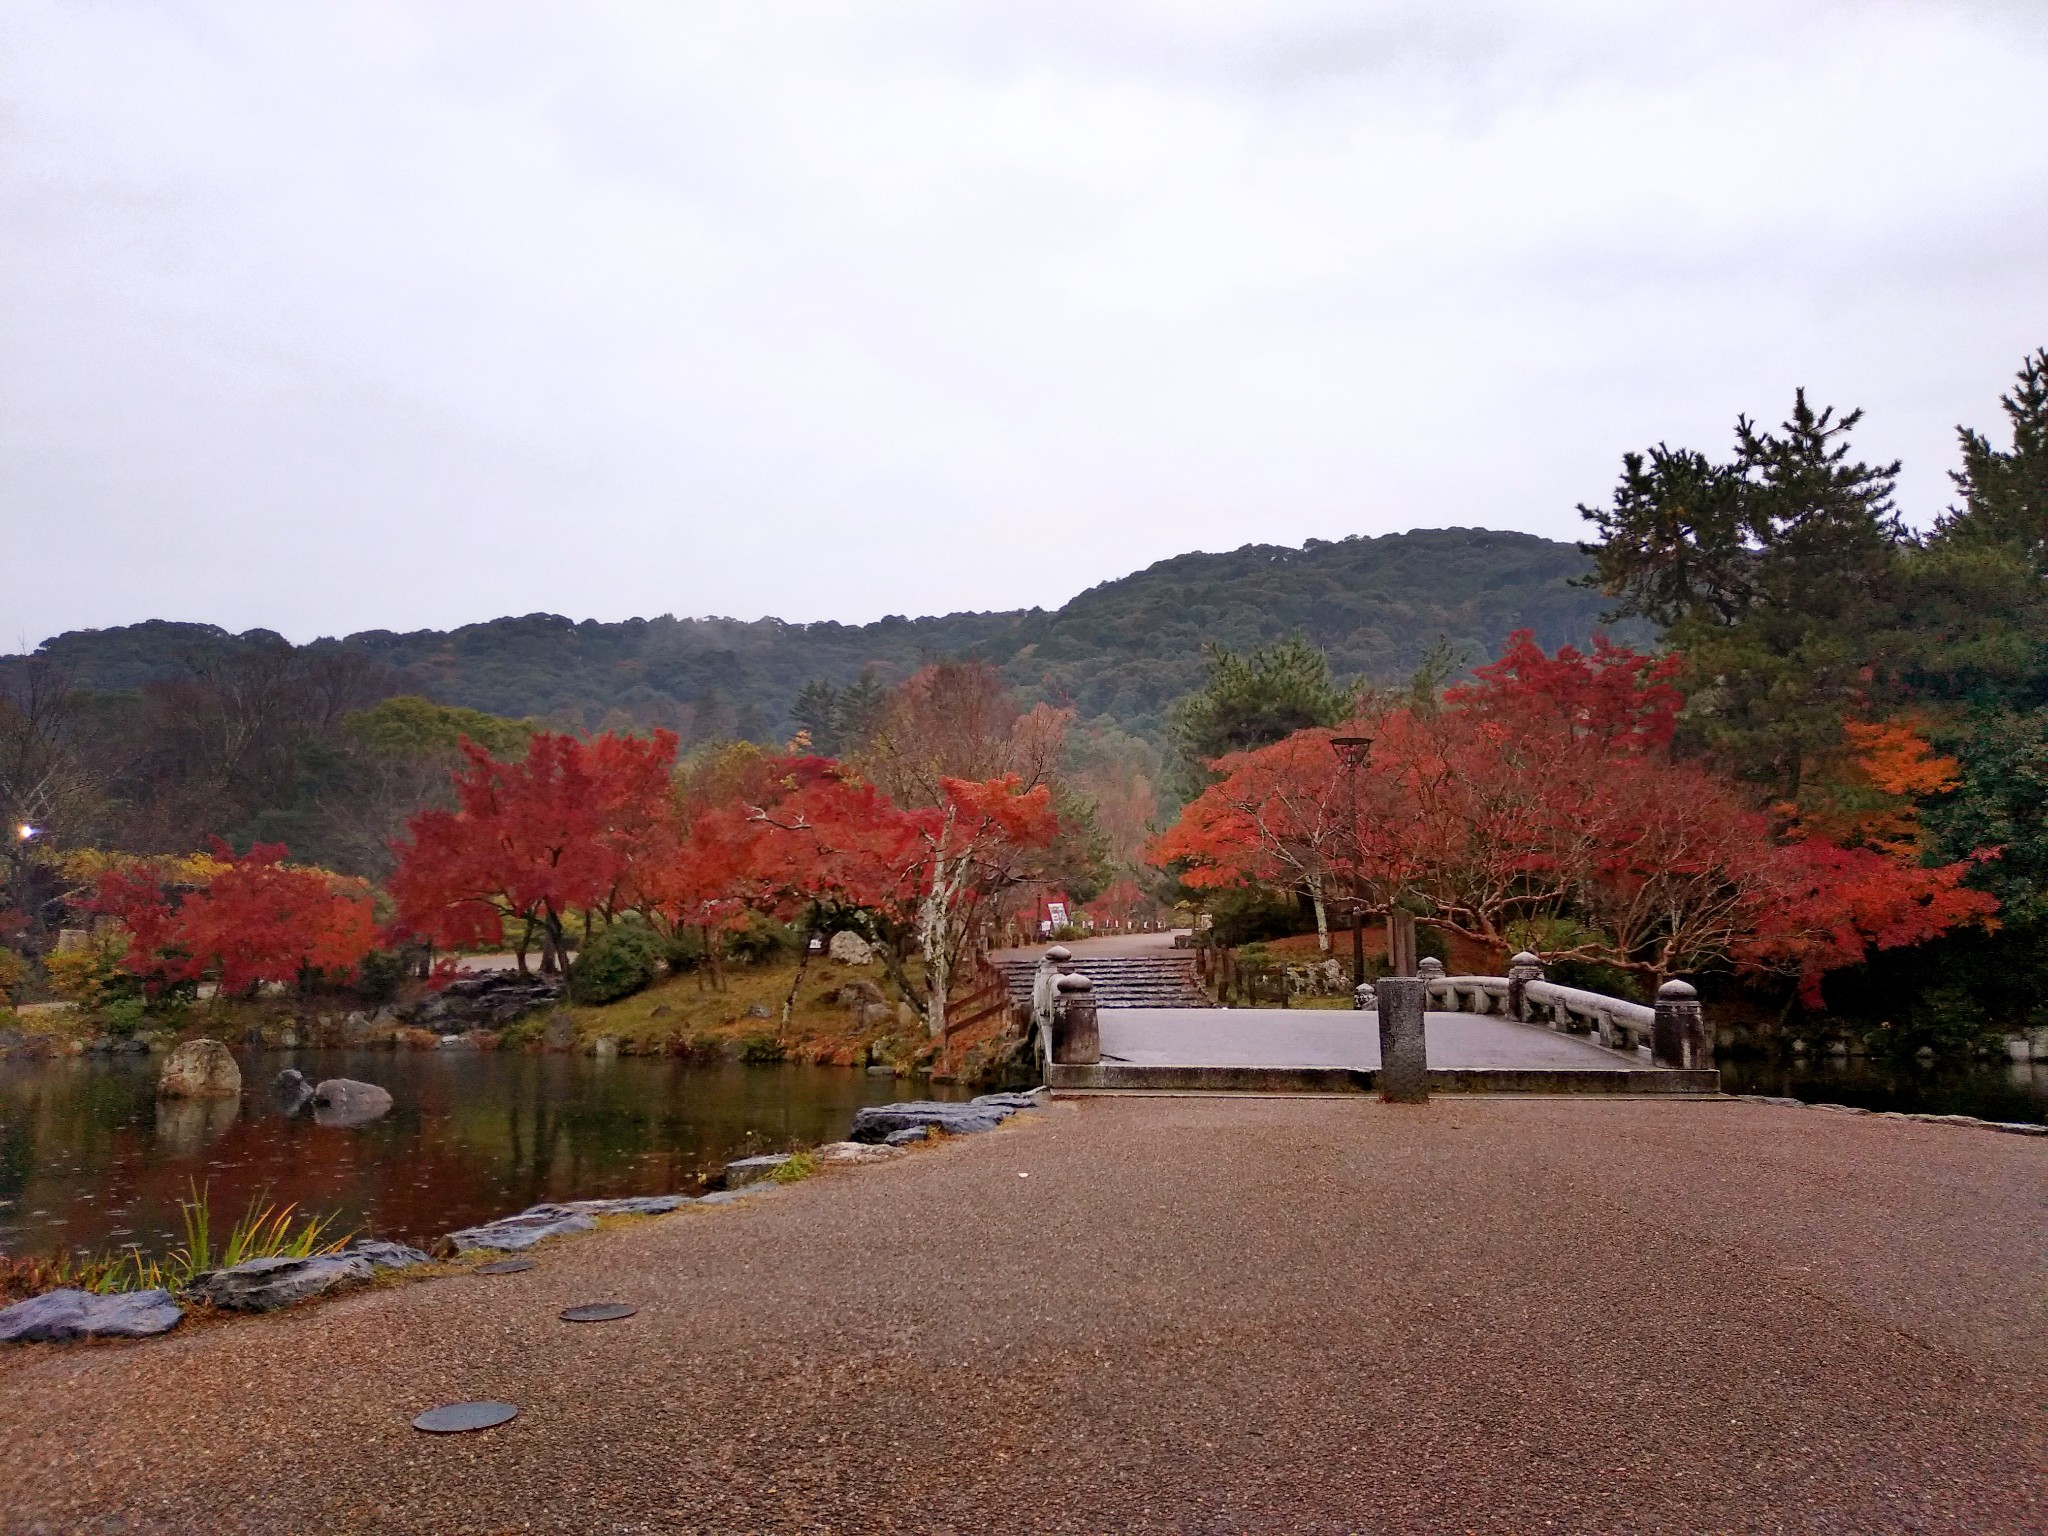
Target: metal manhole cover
[[454, 1418], [598, 1312], [505, 1267]]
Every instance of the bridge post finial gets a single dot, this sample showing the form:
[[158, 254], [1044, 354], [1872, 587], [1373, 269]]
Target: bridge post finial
[[1678, 1037], [1522, 970], [1076, 1032]]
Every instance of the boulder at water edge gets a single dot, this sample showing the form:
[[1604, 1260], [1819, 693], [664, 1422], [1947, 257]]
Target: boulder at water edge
[[70, 1314], [384, 1255], [200, 1069], [513, 1233], [344, 1101], [749, 1170], [264, 1285], [878, 1122]]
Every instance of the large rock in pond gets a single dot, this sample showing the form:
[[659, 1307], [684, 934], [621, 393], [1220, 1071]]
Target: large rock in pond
[[200, 1069], [264, 1285], [291, 1092], [68, 1314], [344, 1101]]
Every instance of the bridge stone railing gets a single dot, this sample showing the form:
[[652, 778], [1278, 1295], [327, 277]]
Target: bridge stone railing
[[1673, 1031]]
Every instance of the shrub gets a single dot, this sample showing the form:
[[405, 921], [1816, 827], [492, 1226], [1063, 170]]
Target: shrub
[[683, 952], [90, 975], [379, 975], [618, 962], [1247, 915], [761, 1050], [761, 941], [12, 971], [801, 1165], [123, 1015], [1592, 976]]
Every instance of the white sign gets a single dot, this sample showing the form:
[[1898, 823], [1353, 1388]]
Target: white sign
[[1058, 912]]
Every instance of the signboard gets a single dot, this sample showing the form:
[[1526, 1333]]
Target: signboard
[[1057, 911]]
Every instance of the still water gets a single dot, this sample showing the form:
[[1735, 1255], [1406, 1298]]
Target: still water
[[90, 1159], [1988, 1090]]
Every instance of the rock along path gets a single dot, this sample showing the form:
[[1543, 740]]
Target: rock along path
[[1185, 1315]]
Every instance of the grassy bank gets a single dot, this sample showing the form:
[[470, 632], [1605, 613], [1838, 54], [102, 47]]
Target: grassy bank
[[843, 1016]]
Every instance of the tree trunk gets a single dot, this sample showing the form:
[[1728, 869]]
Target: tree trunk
[[1315, 895], [803, 962]]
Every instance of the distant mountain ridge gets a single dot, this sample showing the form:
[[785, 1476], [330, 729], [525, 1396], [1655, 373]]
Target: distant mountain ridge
[[1125, 649]]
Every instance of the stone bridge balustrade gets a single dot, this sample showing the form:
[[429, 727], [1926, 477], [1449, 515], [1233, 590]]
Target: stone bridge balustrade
[[1673, 1032]]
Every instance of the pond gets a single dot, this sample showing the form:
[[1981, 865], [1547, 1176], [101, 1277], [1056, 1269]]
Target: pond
[[1987, 1089], [90, 1159]]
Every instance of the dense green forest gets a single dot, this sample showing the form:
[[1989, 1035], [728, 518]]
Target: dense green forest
[[1125, 649]]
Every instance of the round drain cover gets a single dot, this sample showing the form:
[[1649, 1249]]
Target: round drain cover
[[454, 1418], [505, 1267], [598, 1312]]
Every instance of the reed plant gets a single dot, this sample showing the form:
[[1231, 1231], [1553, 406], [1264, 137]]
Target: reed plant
[[266, 1230]]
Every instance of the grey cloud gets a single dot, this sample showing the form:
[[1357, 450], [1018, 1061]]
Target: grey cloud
[[323, 317]]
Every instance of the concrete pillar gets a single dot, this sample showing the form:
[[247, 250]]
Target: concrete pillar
[[1062, 957], [1363, 997], [1522, 970], [1076, 1034], [1679, 1036], [1404, 1063], [1430, 969]]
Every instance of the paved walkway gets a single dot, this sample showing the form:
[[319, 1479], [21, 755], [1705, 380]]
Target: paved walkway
[[1105, 944], [1162, 1315], [1321, 1037]]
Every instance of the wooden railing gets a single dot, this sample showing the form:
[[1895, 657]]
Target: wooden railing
[[981, 994]]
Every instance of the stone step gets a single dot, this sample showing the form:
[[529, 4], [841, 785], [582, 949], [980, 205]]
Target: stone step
[[1122, 981]]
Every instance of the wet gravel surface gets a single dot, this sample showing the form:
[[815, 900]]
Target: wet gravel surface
[[1161, 1314]]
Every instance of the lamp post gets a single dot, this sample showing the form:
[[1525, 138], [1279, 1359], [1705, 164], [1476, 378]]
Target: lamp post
[[1351, 753]]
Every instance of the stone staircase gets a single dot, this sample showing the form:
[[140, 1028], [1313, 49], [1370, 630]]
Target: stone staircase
[[1123, 981]]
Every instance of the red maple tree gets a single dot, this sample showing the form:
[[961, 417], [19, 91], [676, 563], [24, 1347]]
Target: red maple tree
[[257, 920], [534, 842], [1543, 790]]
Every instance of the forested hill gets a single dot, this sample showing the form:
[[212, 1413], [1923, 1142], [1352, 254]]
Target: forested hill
[[1124, 649]]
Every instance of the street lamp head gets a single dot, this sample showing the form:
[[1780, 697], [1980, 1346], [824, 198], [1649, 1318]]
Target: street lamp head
[[1352, 749], [24, 832]]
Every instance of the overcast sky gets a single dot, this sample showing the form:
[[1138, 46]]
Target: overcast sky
[[330, 317]]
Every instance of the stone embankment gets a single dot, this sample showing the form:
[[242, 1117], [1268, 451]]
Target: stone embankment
[[268, 1284]]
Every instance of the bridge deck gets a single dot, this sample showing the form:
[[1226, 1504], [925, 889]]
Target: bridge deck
[[1326, 1050]]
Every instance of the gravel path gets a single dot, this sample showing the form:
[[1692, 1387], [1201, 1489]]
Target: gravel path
[[1192, 1316]]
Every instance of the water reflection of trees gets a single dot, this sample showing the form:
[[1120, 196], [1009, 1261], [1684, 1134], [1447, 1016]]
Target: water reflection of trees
[[470, 1137]]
